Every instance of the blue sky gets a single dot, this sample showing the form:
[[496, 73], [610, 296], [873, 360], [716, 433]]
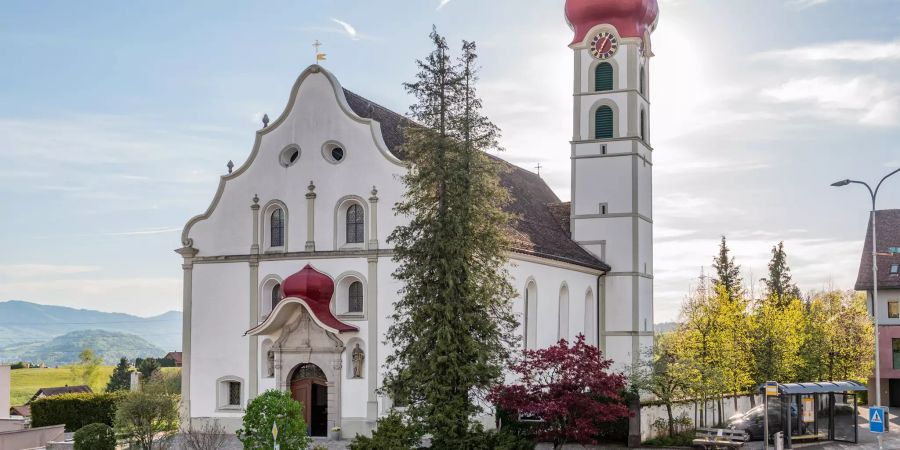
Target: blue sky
[[116, 120]]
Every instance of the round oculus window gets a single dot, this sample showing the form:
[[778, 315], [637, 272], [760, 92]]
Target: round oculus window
[[290, 155], [334, 152]]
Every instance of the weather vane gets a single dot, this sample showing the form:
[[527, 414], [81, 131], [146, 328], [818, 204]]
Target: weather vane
[[319, 56]]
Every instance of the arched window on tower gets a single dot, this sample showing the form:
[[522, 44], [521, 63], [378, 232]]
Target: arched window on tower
[[603, 77], [276, 228], [276, 295], [355, 224], [603, 123], [643, 126], [589, 315], [355, 298], [643, 81]]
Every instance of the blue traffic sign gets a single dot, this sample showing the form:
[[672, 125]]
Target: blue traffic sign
[[876, 419]]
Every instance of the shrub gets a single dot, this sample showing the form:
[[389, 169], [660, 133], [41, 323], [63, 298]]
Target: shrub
[[391, 433], [143, 417], [96, 436], [74, 410], [679, 440], [479, 439], [273, 407], [211, 436]]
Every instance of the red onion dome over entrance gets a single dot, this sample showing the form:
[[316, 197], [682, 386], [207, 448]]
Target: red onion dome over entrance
[[632, 18], [315, 289], [309, 284]]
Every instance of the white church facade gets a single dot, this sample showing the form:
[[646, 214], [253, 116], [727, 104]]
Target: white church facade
[[288, 276]]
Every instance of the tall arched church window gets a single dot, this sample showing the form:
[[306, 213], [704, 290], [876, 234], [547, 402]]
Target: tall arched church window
[[564, 313], [276, 295], [531, 316], [603, 77], [603, 123], [589, 317], [355, 297], [276, 225], [355, 224], [643, 81]]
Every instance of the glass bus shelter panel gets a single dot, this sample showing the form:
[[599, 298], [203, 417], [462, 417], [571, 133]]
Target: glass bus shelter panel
[[845, 417], [823, 416]]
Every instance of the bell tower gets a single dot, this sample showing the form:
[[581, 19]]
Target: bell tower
[[612, 163]]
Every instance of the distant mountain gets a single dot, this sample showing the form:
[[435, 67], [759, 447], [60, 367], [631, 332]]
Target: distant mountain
[[65, 349], [665, 327], [25, 325]]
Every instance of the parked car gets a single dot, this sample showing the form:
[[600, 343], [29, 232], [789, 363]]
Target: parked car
[[752, 421]]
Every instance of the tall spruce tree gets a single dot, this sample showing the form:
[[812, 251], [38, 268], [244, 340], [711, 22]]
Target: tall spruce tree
[[452, 326], [728, 274], [120, 380], [779, 287]]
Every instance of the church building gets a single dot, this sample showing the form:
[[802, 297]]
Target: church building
[[288, 276]]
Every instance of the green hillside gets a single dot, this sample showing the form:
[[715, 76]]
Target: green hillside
[[25, 382], [110, 345]]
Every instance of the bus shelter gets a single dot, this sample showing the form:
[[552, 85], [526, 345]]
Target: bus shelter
[[824, 411]]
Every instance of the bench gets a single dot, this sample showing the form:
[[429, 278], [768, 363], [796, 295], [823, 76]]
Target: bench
[[717, 438]]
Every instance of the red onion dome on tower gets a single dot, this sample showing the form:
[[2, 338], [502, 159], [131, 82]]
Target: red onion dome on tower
[[315, 289], [632, 18]]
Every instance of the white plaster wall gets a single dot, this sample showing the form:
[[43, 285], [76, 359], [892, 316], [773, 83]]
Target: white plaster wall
[[603, 180], [650, 414], [315, 118], [617, 231], [619, 307], [595, 148], [218, 345], [884, 296]]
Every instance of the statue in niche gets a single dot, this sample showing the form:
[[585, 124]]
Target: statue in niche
[[270, 367], [358, 356]]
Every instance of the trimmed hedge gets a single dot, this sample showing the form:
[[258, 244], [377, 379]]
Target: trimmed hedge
[[75, 410]]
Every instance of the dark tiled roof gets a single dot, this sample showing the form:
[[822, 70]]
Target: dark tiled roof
[[541, 227], [51, 391], [24, 411], [888, 223]]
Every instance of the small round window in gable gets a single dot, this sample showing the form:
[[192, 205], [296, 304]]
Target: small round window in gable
[[290, 155], [334, 152]]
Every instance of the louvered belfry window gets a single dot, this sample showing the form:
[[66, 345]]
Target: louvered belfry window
[[603, 123], [355, 224], [355, 297], [277, 228], [603, 77]]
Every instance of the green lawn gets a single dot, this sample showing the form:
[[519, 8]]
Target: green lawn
[[25, 382]]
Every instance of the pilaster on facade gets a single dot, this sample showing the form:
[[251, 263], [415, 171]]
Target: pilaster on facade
[[311, 218]]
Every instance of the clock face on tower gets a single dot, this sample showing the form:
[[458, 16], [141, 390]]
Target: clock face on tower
[[604, 45]]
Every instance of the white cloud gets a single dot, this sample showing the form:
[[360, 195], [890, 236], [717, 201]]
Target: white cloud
[[857, 51], [864, 99], [42, 270], [803, 4], [347, 28]]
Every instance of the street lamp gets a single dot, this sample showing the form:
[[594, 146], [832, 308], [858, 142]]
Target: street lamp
[[874, 194]]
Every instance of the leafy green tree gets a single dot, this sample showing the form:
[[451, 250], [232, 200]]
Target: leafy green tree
[[274, 407], [780, 288], [838, 341], [777, 333], [120, 380], [728, 274], [391, 433], [452, 327], [88, 368], [658, 375], [147, 419]]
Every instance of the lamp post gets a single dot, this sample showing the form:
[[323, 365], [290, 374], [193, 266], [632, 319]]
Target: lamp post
[[874, 194]]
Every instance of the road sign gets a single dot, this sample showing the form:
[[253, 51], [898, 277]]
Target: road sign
[[274, 430], [771, 389], [876, 419]]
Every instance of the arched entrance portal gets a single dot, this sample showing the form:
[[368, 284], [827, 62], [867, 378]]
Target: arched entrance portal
[[309, 386]]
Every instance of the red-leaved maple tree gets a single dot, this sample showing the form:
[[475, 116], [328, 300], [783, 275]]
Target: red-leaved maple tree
[[569, 388]]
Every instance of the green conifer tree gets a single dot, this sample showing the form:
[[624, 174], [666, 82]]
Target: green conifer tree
[[121, 377], [728, 274], [780, 289], [452, 327]]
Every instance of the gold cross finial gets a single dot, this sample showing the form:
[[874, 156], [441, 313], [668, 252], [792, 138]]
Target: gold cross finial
[[538, 167], [319, 56]]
